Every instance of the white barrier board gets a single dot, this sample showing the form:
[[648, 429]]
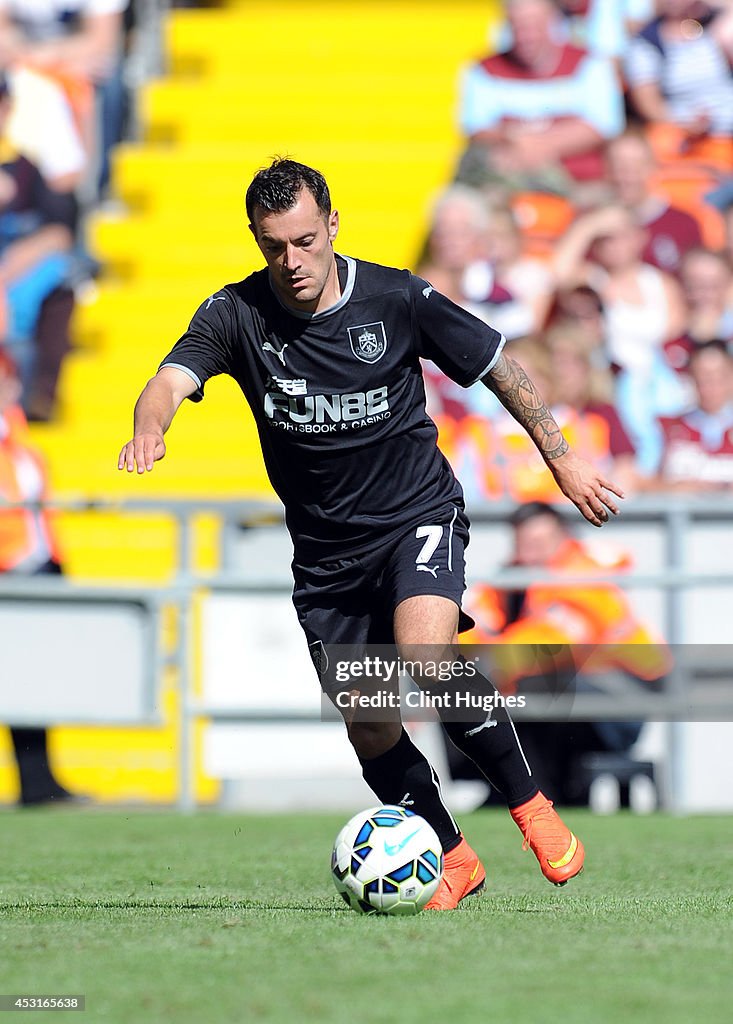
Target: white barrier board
[[76, 660]]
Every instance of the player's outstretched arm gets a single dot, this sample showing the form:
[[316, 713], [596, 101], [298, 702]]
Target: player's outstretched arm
[[576, 478], [154, 412]]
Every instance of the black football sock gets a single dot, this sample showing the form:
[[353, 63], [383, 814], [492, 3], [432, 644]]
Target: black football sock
[[491, 742], [404, 776]]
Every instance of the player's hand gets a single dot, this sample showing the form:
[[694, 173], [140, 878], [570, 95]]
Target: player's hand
[[143, 451], [585, 487]]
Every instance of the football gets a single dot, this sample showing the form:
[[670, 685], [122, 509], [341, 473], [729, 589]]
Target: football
[[387, 860]]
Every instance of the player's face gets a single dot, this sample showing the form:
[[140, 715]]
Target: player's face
[[298, 247]]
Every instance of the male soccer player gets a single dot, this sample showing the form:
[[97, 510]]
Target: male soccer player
[[327, 351]]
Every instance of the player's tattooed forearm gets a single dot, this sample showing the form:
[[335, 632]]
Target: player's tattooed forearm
[[520, 397]]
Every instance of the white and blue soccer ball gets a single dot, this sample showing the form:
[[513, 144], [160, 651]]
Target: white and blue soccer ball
[[387, 860]]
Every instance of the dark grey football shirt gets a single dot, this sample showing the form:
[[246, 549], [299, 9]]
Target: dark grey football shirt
[[338, 397]]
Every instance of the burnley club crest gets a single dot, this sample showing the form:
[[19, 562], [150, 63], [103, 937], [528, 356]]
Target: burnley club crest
[[368, 341]]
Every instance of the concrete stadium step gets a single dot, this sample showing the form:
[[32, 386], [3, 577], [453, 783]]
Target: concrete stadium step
[[113, 546], [110, 388], [191, 62], [206, 232], [380, 193], [335, 156], [133, 327], [245, 82], [300, 36], [378, 123], [183, 263], [141, 317], [212, 107], [234, 91], [193, 467], [299, 27], [188, 185], [296, 138], [196, 172], [108, 380], [182, 474], [132, 314], [233, 262], [317, 37]]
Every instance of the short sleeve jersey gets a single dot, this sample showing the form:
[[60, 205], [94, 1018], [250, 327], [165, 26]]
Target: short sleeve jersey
[[338, 397]]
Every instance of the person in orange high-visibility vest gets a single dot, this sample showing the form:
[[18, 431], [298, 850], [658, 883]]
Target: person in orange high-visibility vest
[[554, 636], [27, 541], [27, 547]]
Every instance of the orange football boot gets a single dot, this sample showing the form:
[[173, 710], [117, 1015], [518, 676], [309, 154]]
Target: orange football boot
[[463, 875], [560, 853]]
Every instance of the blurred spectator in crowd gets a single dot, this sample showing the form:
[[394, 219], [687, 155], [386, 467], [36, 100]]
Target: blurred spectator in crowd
[[582, 306], [583, 393], [643, 306], [529, 280], [697, 447], [36, 235], [643, 309], [41, 125], [728, 220], [707, 283], [456, 262], [721, 199], [27, 547], [678, 67], [536, 116], [604, 26], [456, 241], [551, 638], [497, 461], [488, 448], [670, 232], [79, 44]]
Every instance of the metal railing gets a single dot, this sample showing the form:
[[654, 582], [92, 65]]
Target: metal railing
[[674, 518]]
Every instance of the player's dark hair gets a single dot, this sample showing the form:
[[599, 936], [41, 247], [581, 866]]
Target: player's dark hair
[[276, 188], [533, 510]]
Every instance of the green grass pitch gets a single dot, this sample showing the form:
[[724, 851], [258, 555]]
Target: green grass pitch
[[232, 918]]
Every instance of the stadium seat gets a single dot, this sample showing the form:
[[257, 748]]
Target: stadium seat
[[542, 218], [672, 146], [685, 186], [595, 771]]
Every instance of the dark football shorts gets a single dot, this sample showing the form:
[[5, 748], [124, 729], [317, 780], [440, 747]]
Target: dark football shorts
[[351, 601]]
